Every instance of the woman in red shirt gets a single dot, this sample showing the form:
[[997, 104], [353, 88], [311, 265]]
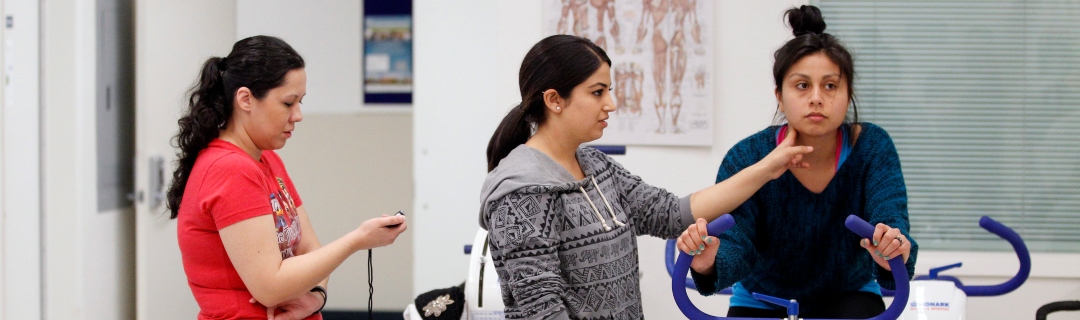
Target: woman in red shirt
[[248, 248]]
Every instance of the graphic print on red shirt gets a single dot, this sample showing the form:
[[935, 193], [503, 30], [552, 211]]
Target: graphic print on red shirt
[[288, 227]]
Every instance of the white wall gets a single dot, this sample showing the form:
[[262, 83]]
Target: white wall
[[327, 35], [20, 200], [349, 161], [88, 255], [172, 40], [463, 88], [466, 81]]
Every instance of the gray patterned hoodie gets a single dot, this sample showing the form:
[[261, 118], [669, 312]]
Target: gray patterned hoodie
[[567, 248]]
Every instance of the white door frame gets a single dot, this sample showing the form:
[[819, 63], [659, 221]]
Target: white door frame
[[20, 162], [172, 40]]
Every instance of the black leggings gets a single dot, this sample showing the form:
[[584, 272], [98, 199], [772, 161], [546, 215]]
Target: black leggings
[[847, 305]]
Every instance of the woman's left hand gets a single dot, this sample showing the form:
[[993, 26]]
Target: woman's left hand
[[295, 309], [888, 243]]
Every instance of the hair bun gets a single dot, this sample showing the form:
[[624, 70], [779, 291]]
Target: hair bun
[[805, 19]]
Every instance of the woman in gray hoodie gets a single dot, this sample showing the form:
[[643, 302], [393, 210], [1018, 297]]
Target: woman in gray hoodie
[[562, 219]]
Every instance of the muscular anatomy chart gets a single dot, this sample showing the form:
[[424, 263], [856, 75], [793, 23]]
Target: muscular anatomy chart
[[661, 51]]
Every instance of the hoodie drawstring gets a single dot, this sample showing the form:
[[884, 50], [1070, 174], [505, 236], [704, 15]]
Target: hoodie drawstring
[[606, 203]]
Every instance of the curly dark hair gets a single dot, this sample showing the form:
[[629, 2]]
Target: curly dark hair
[[258, 63]]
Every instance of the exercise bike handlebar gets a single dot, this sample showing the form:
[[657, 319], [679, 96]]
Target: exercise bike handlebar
[[721, 225], [1021, 252], [853, 223], [716, 227]]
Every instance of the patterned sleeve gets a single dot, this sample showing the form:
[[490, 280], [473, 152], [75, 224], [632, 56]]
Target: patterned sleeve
[[886, 200], [655, 211], [524, 240], [736, 256]]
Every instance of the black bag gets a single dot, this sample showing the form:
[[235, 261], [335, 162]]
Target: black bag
[[441, 304]]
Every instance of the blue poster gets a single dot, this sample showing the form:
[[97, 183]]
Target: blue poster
[[388, 67]]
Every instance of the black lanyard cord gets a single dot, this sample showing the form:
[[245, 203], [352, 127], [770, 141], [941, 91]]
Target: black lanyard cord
[[371, 287]]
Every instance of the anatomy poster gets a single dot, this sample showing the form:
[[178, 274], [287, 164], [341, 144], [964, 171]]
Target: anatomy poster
[[662, 64]]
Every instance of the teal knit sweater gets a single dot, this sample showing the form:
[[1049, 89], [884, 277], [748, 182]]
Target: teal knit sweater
[[789, 242]]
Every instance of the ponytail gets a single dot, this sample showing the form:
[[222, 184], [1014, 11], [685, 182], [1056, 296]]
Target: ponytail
[[514, 130], [209, 109]]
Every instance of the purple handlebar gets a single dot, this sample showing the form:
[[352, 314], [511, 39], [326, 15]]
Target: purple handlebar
[[1021, 252], [721, 225], [1008, 286], [859, 226], [855, 224], [718, 226]]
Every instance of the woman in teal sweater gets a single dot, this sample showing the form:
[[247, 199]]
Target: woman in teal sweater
[[789, 239]]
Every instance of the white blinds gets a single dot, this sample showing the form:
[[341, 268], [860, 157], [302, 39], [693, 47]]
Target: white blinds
[[983, 102]]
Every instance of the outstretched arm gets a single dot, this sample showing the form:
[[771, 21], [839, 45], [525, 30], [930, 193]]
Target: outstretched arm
[[720, 261], [253, 250], [725, 196]]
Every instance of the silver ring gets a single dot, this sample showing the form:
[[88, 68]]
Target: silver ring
[[901, 240]]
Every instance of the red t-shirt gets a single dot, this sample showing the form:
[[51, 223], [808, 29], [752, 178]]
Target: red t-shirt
[[227, 186]]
